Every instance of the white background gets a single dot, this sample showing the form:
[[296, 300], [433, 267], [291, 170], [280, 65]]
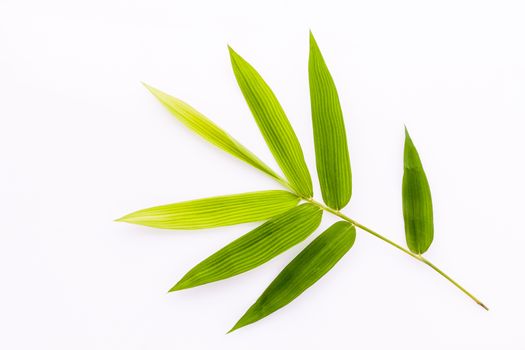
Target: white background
[[82, 143]]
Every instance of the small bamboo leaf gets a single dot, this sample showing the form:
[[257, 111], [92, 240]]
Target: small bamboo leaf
[[306, 269], [256, 247], [208, 130], [215, 211], [274, 125], [417, 201], [331, 150]]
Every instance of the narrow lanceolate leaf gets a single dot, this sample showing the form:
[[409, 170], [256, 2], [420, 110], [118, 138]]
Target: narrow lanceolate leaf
[[215, 211], [417, 201], [331, 149], [274, 125], [306, 269], [256, 247], [209, 130]]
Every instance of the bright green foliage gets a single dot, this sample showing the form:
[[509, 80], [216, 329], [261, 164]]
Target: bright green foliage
[[306, 269], [288, 224], [331, 150], [417, 201], [215, 211], [256, 247], [274, 125], [209, 130]]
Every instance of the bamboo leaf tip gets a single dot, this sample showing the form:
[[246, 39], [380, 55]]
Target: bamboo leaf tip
[[127, 218], [234, 57], [313, 43], [122, 219], [236, 326], [174, 289], [184, 283], [151, 89], [131, 218], [233, 53]]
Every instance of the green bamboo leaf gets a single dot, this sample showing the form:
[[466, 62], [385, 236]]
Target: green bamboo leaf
[[306, 269], [208, 130], [274, 125], [215, 211], [331, 150], [417, 201], [256, 247]]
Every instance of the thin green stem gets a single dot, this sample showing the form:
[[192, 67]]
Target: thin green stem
[[362, 227], [384, 239], [435, 268], [392, 243]]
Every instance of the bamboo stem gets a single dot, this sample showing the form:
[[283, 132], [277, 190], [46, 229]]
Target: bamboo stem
[[392, 243]]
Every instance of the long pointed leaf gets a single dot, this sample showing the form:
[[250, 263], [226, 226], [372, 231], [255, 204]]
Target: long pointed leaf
[[274, 125], [209, 130], [331, 149], [417, 201], [215, 211], [306, 269], [256, 247]]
